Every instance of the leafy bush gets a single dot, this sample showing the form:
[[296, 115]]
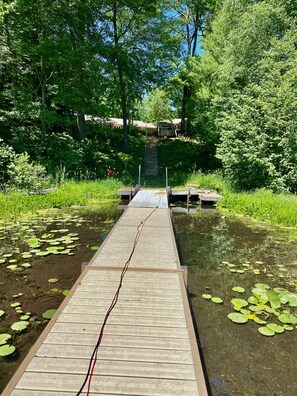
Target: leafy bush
[[7, 157], [25, 174], [16, 170]]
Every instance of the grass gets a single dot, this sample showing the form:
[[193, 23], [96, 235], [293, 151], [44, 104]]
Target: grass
[[264, 205], [279, 209], [68, 194], [183, 158]]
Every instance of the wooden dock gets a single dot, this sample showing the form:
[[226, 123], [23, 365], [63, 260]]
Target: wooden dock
[[203, 195], [149, 345]]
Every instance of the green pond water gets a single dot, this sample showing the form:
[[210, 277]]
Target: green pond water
[[238, 360]]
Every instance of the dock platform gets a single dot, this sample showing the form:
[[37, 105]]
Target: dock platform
[[203, 195], [149, 345]]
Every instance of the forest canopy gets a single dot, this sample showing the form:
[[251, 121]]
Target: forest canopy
[[227, 68]]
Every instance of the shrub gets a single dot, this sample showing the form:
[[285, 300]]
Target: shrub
[[25, 174]]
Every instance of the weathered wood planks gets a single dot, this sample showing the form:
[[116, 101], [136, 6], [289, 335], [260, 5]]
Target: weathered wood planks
[[150, 199]]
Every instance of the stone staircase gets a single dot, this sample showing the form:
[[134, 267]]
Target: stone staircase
[[151, 160]]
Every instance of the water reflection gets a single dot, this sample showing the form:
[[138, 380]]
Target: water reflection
[[239, 360]]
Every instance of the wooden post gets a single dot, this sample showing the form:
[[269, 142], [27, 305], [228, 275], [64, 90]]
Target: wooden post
[[139, 174], [185, 274], [166, 175], [84, 264]]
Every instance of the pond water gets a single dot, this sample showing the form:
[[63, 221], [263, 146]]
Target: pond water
[[71, 238], [238, 359]]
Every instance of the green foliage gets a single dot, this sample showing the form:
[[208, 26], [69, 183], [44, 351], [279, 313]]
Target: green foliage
[[263, 205], [24, 174], [156, 107], [7, 157], [70, 193], [16, 170], [247, 93]]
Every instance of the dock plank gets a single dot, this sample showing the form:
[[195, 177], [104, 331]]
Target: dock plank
[[130, 341], [108, 384], [150, 199], [114, 367]]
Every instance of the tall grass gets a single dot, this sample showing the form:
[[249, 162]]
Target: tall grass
[[280, 209], [264, 205], [68, 194]]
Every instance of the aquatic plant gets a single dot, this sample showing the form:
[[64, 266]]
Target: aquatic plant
[[49, 313], [4, 337], [278, 300], [20, 326], [6, 350]]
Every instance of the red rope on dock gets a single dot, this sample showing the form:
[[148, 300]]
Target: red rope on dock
[[93, 359]]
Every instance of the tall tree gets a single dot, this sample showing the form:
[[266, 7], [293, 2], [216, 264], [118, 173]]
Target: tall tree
[[139, 50], [191, 18], [251, 90]]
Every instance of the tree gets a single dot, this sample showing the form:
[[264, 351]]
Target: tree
[[156, 107], [250, 87], [191, 18], [139, 49]]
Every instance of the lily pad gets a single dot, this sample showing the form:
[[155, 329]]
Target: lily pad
[[16, 304], [274, 299], [260, 294], [25, 317], [19, 326], [275, 327], [1, 313], [237, 317], [217, 300], [26, 256], [262, 286], [12, 267], [4, 337], [288, 327], [288, 297], [253, 300], [66, 292], [287, 319], [207, 296], [49, 313], [94, 247], [42, 253], [266, 331], [6, 350], [239, 302], [26, 265], [255, 308], [280, 290], [259, 321], [53, 280], [238, 289]]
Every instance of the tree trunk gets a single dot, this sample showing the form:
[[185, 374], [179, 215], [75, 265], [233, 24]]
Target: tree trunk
[[185, 108], [81, 125], [123, 92], [124, 108], [43, 107]]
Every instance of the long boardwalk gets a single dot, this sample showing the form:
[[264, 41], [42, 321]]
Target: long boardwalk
[[149, 345]]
